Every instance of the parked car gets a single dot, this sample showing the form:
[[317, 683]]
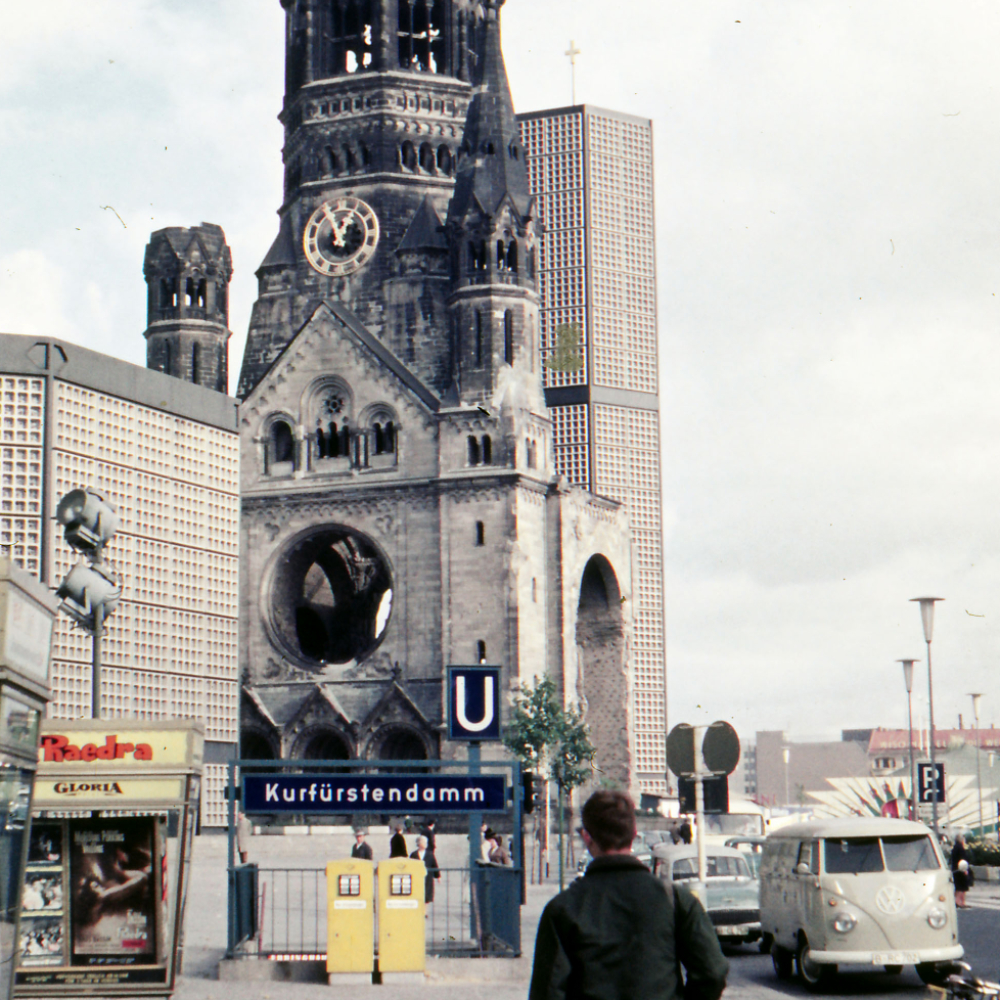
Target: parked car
[[730, 892], [864, 891], [751, 848]]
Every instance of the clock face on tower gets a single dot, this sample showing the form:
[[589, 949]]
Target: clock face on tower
[[340, 236]]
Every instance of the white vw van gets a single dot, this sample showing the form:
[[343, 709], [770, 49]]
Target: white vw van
[[869, 891]]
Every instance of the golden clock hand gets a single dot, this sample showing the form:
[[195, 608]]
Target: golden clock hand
[[338, 231]]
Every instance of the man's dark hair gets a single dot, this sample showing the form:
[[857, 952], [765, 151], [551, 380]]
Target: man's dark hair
[[609, 817]]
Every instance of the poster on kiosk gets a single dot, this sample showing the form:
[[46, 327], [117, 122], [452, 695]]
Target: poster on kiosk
[[115, 808]]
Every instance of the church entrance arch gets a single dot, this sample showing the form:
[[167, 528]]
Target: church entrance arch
[[603, 682], [397, 743], [322, 744], [330, 596]]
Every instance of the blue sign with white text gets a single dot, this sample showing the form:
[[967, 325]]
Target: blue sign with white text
[[355, 793], [474, 703]]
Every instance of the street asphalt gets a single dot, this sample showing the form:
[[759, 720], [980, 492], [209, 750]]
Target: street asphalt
[[751, 975]]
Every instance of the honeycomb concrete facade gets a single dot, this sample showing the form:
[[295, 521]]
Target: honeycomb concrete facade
[[166, 454], [401, 507], [591, 172]]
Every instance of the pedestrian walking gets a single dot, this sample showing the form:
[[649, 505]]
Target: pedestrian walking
[[430, 835], [425, 854], [960, 871], [244, 831], [621, 933], [397, 843], [361, 849]]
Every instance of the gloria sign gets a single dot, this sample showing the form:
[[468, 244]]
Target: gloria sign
[[473, 703], [341, 793]]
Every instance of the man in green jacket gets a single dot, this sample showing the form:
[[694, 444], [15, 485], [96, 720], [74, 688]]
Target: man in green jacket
[[621, 933]]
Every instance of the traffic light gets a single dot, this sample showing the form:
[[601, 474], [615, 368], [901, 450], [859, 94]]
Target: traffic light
[[716, 794], [528, 784]]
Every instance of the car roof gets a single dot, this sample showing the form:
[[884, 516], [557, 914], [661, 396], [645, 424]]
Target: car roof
[[851, 826], [674, 852]]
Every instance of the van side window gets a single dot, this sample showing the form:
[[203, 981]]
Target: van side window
[[852, 855], [814, 861]]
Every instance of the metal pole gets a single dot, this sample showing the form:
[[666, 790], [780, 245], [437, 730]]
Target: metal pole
[[95, 669], [698, 734], [913, 766], [979, 780], [927, 620], [930, 703]]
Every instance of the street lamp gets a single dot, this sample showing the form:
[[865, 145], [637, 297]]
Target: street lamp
[[786, 753], [975, 696], [90, 591], [908, 681], [927, 620]]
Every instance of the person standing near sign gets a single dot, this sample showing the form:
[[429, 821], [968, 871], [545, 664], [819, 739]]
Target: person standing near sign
[[621, 932], [360, 848], [397, 843], [425, 854]]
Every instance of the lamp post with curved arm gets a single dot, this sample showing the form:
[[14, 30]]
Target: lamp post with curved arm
[[927, 620], [908, 681]]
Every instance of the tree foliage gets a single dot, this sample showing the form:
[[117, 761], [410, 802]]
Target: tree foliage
[[547, 738]]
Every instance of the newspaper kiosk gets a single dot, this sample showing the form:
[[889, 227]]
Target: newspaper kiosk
[[114, 811]]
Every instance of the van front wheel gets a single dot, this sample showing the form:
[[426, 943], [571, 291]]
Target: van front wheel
[[781, 959], [814, 975], [932, 974]]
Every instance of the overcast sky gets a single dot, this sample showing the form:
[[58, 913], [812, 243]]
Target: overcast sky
[[828, 212]]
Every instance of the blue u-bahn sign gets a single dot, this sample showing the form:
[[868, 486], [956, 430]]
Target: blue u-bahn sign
[[356, 793], [474, 703]]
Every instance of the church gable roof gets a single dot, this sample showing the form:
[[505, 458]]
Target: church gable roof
[[425, 231], [334, 316]]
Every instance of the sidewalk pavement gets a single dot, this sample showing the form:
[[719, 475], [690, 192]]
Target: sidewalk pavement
[[205, 930]]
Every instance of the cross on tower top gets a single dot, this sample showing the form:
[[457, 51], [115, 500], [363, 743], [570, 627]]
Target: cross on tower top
[[573, 52]]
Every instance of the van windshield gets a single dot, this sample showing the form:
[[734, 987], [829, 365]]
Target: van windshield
[[852, 855], [858, 855], [909, 854]]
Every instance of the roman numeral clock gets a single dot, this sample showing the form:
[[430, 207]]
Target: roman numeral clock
[[341, 236]]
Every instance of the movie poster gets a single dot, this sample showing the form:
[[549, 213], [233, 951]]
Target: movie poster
[[41, 941], [112, 891], [45, 844]]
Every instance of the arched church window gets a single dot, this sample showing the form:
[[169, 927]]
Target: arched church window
[[331, 162], [349, 36], [512, 255], [480, 651], [281, 445], [366, 156], [444, 159], [501, 255], [428, 161], [473, 450], [480, 533], [422, 36], [350, 161], [196, 363], [408, 156], [168, 295], [380, 437], [487, 450], [508, 337]]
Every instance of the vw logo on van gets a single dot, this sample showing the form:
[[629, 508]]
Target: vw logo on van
[[890, 900]]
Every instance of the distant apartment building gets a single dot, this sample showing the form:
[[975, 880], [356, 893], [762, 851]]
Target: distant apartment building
[[591, 171], [165, 454]]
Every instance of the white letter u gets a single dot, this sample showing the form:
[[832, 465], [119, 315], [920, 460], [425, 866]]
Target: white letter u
[[463, 720]]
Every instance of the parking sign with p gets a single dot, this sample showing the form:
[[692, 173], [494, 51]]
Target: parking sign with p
[[474, 703]]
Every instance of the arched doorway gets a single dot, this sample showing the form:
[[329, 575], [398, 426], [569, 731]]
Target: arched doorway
[[256, 746], [396, 742], [325, 744], [603, 683]]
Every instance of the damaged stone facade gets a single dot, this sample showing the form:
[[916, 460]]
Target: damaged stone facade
[[400, 507]]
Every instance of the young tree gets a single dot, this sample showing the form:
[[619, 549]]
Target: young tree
[[553, 741]]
